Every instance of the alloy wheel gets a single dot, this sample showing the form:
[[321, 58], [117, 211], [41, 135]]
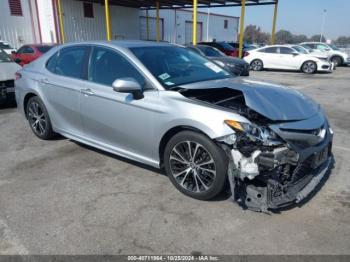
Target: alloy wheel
[[37, 118], [256, 65], [309, 67], [192, 166]]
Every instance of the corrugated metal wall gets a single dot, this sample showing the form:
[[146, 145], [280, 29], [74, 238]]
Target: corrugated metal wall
[[175, 25], [124, 21], [18, 30]]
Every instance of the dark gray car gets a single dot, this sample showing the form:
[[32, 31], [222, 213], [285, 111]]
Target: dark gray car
[[235, 65]]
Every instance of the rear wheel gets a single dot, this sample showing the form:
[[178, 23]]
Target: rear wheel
[[39, 119], [195, 165], [257, 65], [336, 60], [309, 67]]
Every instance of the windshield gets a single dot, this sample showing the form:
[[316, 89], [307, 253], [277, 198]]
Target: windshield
[[4, 57], [174, 66], [334, 47], [43, 49], [5, 46], [300, 49], [210, 51]]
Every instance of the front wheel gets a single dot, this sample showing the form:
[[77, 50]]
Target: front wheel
[[336, 60], [39, 119], [309, 67], [257, 65], [195, 165]]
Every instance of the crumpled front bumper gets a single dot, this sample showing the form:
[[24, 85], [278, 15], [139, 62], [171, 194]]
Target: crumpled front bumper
[[266, 193]]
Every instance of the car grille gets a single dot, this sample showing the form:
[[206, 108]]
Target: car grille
[[8, 83]]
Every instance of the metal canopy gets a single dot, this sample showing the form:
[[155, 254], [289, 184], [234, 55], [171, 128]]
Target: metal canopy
[[174, 4]]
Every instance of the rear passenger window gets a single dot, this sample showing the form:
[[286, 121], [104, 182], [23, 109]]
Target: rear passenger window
[[271, 50], [71, 62], [107, 65], [51, 64]]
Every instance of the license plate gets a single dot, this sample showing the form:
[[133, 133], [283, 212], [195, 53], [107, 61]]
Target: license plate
[[321, 157]]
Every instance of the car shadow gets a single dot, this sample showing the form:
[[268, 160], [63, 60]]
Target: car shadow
[[298, 72], [225, 195]]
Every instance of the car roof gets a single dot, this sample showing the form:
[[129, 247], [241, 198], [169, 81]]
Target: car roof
[[123, 43]]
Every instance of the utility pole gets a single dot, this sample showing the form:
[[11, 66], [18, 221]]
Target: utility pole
[[323, 23]]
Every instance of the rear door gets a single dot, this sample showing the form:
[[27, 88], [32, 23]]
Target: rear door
[[270, 57], [61, 85]]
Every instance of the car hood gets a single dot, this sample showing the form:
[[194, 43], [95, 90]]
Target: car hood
[[273, 101], [233, 60], [8, 70]]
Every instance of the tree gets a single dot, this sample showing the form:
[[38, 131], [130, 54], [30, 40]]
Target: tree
[[343, 40], [299, 39], [316, 38], [284, 37], [253, 34]]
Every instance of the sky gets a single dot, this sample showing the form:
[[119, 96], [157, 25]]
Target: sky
[[298, 16]]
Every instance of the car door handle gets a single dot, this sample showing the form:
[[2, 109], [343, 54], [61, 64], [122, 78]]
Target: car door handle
[[44, 81], [87, 92]]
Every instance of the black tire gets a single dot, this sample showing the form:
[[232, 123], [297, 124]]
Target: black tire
[[337, 60], [257, 65], [198, 183], [309, 67], [43, 127]]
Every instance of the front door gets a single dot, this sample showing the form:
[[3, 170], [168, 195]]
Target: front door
[[116, 120]]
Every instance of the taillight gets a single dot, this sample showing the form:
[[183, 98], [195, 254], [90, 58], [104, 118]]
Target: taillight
[[17, 75]]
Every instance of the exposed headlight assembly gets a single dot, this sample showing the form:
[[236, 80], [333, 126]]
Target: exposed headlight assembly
[[255, 133]]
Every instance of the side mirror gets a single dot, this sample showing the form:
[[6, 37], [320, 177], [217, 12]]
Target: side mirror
[[295, 53], [13, 52], [128, 85]]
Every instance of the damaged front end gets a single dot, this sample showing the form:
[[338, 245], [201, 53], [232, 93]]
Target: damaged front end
[[273, 164]]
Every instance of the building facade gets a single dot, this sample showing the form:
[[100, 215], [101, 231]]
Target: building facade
[[36, 21]]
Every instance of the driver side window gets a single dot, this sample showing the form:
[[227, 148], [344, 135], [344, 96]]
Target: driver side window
[[107, 65]]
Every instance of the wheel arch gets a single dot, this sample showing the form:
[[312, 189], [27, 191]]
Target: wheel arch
[[341, 58], [25, 102], [169, 134]]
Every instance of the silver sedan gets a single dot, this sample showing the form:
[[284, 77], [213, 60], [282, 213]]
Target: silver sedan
[[168, 107]]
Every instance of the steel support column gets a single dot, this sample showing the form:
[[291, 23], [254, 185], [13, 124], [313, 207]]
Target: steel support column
[[194, 30], [273, 33], [157, 23], [60, 17], [108, 21], [241, 30]]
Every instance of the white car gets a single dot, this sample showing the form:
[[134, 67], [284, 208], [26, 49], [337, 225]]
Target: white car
[[6, 47], [8, 69], [286, 58], [336, 55]]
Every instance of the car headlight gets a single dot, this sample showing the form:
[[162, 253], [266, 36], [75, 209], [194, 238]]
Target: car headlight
[[255, 132]]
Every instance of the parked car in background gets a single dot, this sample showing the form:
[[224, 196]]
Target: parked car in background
[[224, 47], [8, 69], [29, 53], [6, 47], [319, 55], [166, 106], [336, 55], [233, 64], [285, 58], [246, 47]]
